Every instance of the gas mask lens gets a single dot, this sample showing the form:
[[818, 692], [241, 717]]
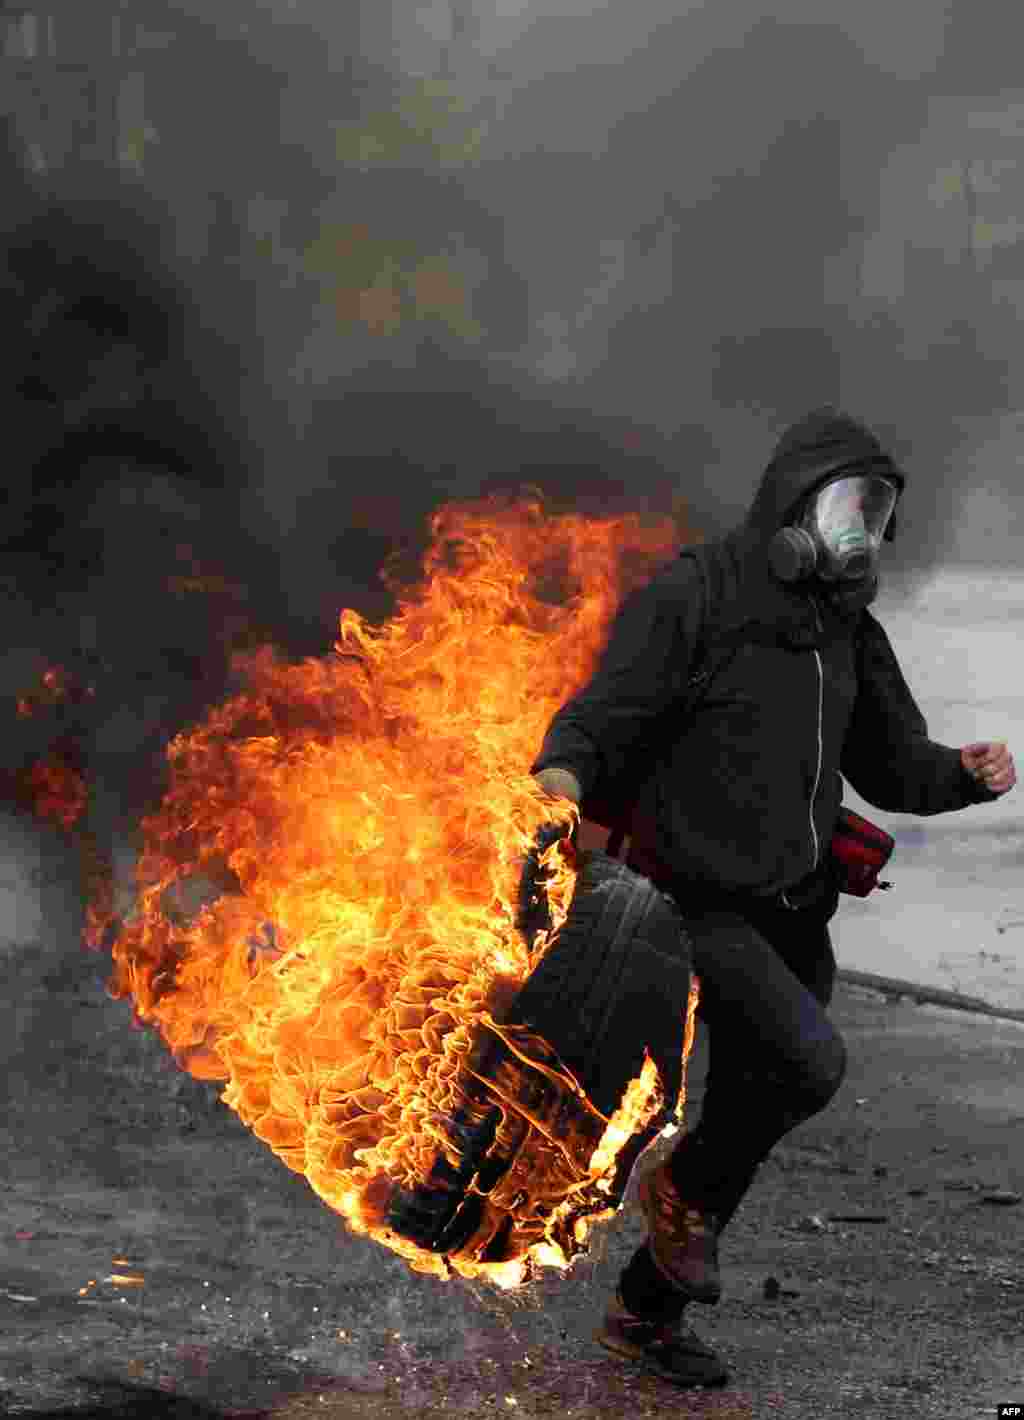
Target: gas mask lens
[[848, 519]]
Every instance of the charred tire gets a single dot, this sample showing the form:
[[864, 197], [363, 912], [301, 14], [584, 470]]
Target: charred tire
[[612, 986], [614, 982]]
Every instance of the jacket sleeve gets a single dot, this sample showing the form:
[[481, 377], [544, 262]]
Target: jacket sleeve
[[887, 755], [641, 678]]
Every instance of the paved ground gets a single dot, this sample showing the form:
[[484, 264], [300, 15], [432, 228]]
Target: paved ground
[[253, 1301]]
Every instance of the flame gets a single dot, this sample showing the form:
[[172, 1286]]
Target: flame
[[54, 789], [57, 790], [57, 686], [53, 786], [369, 812]]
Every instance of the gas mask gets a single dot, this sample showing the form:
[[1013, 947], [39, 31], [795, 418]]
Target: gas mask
[[838, 538]]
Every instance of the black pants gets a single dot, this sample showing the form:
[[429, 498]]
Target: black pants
[[775, 1059]]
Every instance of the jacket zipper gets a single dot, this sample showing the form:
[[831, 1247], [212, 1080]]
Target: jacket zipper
[[817, 773]]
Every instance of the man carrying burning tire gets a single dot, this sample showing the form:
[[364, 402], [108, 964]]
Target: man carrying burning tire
[[732, 807]]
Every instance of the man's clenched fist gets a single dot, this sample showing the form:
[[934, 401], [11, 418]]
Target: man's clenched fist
[[991, 764]]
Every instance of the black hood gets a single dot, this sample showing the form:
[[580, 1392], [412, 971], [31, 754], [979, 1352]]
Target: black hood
[[817, 448]]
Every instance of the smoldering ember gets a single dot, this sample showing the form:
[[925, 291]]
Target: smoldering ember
[[362, 364]]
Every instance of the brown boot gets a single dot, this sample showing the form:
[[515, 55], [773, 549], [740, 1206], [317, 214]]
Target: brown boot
[[683, 1241], [671, 1350]]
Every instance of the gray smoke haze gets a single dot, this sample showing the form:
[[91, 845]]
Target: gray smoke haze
[[339, 263], [682, 226]]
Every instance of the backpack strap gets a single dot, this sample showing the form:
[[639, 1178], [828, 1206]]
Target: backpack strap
[[713, 654], [714, 649]]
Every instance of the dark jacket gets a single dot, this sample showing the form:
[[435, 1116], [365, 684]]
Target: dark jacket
[[746, 796]]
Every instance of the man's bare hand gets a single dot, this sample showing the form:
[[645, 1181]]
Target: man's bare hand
[[560, 784], [990, 763]]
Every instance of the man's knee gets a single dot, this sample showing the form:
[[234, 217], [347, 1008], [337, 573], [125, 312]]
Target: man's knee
[[809, 1087], [797, 1089], [828, 1070]]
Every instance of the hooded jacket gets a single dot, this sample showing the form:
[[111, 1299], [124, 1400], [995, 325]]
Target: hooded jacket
[[745, 793]]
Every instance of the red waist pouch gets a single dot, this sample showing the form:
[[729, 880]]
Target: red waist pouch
[[860, 850]]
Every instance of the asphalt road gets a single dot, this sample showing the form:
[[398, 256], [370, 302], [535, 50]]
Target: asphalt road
[[156, 1260]]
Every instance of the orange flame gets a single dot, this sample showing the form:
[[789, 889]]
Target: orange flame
[[370, 810]]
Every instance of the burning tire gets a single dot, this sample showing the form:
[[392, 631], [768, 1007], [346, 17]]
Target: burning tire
[[450, 1090], [538, 1088], [591, 996]]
